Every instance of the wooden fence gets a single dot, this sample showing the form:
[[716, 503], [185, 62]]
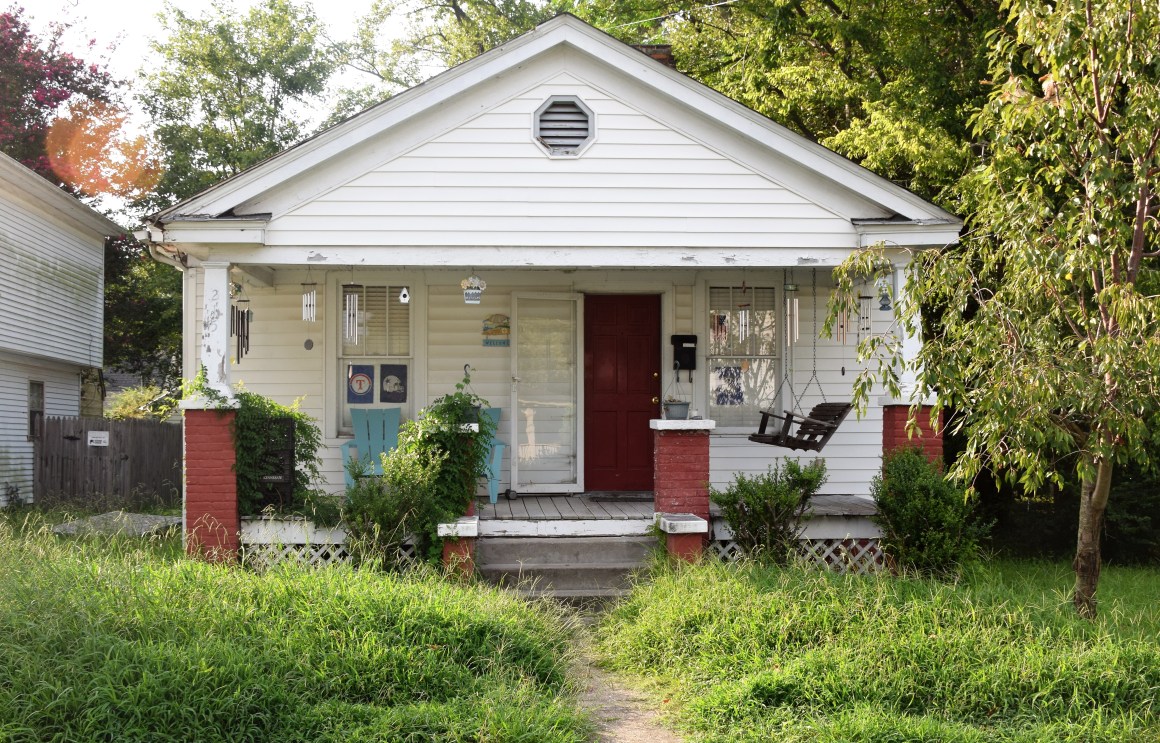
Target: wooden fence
[[106, 464]]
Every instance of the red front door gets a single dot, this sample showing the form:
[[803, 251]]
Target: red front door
[[622, 338]]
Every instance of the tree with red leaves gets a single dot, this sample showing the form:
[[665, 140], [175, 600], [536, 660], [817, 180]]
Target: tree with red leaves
[[38, 81]]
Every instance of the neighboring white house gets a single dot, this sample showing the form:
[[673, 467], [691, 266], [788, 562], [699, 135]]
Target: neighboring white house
[[609, 203], [52, 258]]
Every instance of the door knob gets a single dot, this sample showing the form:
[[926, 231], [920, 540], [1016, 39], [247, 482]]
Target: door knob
[[656, 375], [656, 400]]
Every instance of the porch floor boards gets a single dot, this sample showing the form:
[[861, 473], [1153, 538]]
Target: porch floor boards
[[563, 508], [586, 508]]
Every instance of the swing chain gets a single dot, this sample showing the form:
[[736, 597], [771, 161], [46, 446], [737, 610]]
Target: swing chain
[[813, 332]]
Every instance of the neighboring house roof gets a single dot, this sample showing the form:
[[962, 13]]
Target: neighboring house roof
[[34, 189], [51, 270], [238, 209]]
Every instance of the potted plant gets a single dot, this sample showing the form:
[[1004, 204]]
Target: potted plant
[[675, 405]]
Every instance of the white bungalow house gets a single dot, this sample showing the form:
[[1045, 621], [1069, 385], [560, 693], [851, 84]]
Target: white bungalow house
[[52, 259], [609, 204]]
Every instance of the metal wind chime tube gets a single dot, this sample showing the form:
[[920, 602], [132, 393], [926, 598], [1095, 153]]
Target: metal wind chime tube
[[310, 302], [350, 330], [240, 328]]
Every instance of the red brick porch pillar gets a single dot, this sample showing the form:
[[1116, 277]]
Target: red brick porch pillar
[[681, 477], [459, 542], [211, 489], [894, 436]]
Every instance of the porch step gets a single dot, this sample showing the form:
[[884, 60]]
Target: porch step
[[563, 566]]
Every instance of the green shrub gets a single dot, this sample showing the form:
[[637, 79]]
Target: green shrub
[[430, 477], [767, 512], [382, 512], [928, 523]]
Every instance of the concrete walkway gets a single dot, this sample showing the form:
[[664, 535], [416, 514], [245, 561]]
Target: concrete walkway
[[120, 523]]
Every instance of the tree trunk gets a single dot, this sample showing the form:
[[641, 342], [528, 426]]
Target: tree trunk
[[1093, 501]]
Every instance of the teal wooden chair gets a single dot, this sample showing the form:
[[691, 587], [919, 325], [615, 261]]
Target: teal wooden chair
[[494, 456], [376, 432]]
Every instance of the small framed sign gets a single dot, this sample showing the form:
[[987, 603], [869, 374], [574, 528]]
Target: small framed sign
[[98, 438]]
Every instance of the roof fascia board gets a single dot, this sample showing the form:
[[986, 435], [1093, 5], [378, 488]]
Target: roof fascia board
[[233, 231], [38, 194], [520, 257]]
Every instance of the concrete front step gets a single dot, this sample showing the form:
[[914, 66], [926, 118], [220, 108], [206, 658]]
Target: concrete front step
[[563, 566], [565, 576]]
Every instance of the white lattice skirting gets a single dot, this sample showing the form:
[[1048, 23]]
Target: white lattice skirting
[[264, 556], [267, 542], [860, 556]]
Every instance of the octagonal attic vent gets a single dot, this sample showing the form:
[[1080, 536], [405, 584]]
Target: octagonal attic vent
[[564, 125]]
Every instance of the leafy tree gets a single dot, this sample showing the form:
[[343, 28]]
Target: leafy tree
[[890, 85], [225, 96], [1047, 311], [435, 36], [38, 82], [142, 314], [144, 402]]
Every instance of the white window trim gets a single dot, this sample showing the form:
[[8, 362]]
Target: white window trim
[[774, 279], [333, 368]]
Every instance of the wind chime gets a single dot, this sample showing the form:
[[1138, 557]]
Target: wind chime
[[309, 299], [240, 318], [350, 296]]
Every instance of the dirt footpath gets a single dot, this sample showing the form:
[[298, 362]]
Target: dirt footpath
[[621, 714]]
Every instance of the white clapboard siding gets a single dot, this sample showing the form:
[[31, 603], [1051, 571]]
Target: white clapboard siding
[[488, 183], [455, 338], [62, 397], [51, 291], [683, 312]]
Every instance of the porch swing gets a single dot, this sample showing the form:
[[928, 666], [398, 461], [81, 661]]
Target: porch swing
[[813, 430]]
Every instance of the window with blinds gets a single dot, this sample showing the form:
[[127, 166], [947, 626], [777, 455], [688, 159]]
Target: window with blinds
[[381, 322], [375, 359], [742, 353]]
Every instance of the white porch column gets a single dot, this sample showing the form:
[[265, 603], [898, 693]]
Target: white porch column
[[911, 342], [215, 327]]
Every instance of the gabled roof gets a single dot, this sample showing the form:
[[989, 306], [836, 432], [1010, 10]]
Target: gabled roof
[[28, 186], [220, 200]]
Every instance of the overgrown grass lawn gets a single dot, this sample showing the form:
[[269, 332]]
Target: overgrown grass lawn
[[107, 641], [745, 653]]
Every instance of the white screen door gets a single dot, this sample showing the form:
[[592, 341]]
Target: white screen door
[[546, 393]]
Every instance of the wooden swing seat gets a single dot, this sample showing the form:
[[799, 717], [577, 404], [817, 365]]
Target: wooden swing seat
[[813, 431]]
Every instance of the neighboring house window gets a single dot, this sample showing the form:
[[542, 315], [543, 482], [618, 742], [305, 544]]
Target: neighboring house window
[[742, 353], [35, 409], [564, 125], [375, 361]]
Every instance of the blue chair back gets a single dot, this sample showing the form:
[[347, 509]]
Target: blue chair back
[[376, 432], [494, 456]]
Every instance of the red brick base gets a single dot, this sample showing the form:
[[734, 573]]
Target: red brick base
[[687, 547], [894, 436], [459, 555], [681, 484], [211, 491], [681, 472]]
